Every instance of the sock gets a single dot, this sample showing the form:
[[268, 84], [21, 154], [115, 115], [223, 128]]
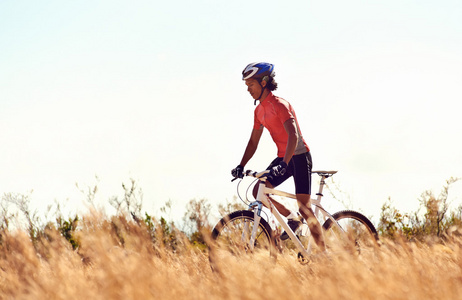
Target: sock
[[292, 215]]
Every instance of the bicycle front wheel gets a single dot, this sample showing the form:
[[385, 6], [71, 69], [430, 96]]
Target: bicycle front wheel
[[233, 234], [353, 230]]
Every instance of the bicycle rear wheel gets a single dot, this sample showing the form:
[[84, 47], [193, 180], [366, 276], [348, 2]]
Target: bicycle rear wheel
[[354, 231], [233, 232]]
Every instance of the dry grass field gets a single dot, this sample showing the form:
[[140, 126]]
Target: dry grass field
[[119, 259]]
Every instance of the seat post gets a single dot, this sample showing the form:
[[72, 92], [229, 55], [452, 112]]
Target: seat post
[[321, 187], [319, 194]]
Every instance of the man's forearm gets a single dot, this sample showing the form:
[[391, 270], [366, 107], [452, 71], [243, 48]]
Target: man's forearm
[[248, 154], [292, 139], [290, 149]]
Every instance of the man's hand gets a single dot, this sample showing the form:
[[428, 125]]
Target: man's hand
[[279, 170], [238, 172]]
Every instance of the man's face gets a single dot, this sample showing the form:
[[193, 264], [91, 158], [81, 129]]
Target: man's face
[[253, 87]]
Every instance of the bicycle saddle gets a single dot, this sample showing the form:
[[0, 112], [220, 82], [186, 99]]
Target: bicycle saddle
[[324, 172]]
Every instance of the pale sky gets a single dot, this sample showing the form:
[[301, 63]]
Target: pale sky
[[152, 90]]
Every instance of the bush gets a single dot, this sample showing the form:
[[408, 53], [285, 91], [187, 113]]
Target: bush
[[431, 220]]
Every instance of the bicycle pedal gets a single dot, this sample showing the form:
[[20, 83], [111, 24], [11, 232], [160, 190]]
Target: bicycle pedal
[[303, 260]]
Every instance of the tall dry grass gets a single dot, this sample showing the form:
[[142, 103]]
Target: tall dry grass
[[120, 259]]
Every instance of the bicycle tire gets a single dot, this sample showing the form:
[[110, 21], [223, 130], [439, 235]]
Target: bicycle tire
[[360, 231], [229, 234]]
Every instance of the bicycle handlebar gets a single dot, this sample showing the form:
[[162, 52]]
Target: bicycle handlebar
[[265, 173], [255, 174]]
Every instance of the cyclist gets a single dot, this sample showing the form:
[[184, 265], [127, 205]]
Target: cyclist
[[293, 157]]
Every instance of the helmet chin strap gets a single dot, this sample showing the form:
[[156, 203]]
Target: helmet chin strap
[[259, 97]]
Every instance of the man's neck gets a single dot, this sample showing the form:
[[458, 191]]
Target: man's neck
[[265, 94]]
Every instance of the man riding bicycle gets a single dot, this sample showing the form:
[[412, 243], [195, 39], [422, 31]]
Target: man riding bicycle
[[293, 158]]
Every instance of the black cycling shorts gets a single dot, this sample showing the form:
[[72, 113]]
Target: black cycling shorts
[[300, 167]]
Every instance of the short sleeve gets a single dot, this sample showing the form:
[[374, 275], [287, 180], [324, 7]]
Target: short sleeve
[[284, 111], [256, 122]]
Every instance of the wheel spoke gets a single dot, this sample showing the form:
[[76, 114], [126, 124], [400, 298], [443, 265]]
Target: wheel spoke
[[353, 231], [233, 234]]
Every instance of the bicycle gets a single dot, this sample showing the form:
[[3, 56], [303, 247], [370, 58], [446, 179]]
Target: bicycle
[[245, 231]]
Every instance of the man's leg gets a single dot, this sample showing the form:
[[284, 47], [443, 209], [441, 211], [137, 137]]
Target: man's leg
[[304, 205], [279, 206], [293, 220]]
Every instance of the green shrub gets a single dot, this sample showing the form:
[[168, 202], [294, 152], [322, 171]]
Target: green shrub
[[432, 219]]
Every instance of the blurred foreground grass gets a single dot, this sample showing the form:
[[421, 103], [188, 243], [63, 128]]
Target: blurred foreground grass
[[119, 258]]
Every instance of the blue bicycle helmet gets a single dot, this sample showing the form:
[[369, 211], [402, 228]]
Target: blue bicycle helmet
[[258, 71]]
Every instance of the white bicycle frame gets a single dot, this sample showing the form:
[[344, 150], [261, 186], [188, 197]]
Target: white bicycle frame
[[262, 197]]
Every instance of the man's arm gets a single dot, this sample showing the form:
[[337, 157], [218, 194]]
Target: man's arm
[[252, 145], [291, 130]]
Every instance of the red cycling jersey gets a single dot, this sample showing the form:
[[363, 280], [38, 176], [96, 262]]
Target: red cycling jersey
[[271, 113]]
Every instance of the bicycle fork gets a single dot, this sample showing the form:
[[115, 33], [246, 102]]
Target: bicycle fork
[[256, 207]]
